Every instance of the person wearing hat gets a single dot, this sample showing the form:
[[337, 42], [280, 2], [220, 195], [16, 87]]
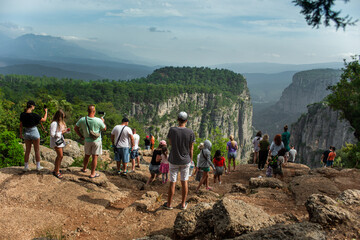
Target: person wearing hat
[[30, 133], [88, 128], [123, 141], [154, 166], [182, 141]]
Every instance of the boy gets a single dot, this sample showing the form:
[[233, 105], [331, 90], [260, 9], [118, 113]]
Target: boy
[[331, 157]]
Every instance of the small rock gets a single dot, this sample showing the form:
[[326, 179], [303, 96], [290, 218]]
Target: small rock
[[349, 197], [238, 187], [266, 183]]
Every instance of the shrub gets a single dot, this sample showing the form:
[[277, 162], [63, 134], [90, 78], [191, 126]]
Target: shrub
[[11, 152], [348, 156]]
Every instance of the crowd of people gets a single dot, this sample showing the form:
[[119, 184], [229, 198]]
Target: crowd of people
[[125, 143]]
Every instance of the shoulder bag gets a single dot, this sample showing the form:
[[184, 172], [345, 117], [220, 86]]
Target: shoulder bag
[[92, 134]]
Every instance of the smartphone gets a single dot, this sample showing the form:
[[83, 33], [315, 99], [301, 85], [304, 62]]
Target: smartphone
[[45, 106], [102, 113]]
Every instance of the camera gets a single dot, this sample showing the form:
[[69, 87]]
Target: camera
[[45, 106], [102, 113]]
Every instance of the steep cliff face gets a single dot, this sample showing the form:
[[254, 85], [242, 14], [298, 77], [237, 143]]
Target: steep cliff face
[[306, 88], [206, 111], [318, 129]]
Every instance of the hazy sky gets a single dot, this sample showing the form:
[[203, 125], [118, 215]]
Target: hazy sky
[[186, 32]]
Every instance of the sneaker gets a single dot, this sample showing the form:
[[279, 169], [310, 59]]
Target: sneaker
[[119, 172], [220, 183], [166, 207], [184, 208], [39, 168], [26, 169], [123, 173]]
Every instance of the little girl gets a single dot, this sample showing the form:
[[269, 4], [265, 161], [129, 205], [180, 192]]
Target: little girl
[[164, 165], [219, 162]]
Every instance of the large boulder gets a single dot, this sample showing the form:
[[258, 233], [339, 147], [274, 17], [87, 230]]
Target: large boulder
[[349, 197], [73, 149], [297, 231], [66, 161], [304, 186], [266, 183], [235, 217], [324, 210], [194, 221]]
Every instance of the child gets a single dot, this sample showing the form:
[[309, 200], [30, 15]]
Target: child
[[164, 165], [219, 163], [204, 164], [331, 157]]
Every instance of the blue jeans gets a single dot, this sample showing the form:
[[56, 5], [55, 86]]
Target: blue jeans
[[122, 154]]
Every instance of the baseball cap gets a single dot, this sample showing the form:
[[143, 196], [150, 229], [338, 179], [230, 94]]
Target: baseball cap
[[125, 120], [183, 116]]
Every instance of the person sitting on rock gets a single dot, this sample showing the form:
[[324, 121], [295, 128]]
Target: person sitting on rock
[[154, 166], [57, 129], [292, 154], [219, 163], [280, 161], [204, 165], [147, 143]]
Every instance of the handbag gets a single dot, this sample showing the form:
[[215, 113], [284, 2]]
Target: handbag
[[59, 142], [92, 134]]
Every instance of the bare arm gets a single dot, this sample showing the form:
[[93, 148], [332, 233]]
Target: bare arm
[[132, 141], [45, 116], [102, 119], [191, 150], [77, 130]]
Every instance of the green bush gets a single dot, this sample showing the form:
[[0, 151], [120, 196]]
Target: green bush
[[348, 156], [11, 152]]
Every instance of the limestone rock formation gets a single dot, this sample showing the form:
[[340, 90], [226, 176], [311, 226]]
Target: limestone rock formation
[[297, 231], [318, 129], [235, 217], [194, 221], [350, 197], [324, 210], [206, 112]]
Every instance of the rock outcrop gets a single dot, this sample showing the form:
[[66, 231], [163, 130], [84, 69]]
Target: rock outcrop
[[307, 87], [206, 113], [318, 129]]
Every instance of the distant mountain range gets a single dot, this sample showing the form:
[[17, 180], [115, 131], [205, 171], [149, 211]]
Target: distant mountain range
[[46, 55]]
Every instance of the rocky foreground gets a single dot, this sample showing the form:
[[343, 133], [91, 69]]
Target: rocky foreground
[[307, 204]]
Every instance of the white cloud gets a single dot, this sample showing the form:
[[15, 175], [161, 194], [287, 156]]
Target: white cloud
[[137, 12], [75, 38], [274, 55]]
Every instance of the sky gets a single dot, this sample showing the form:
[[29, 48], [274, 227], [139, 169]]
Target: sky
[[186, 32]]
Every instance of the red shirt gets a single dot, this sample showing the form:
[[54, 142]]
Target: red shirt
[[219, 163], [331, 156]]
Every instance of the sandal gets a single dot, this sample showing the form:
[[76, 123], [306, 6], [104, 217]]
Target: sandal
[[58, 175], [184, 208], [96, 175], [82, 170], [209, 188]]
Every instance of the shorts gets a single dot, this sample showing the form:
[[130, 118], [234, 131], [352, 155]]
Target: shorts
[[191, 171], [154, 169], [206, 169], [329, 163], [164, 167], [147, 147], [231, 155], [184, 172], [31, 133], [134, 154], [122, 154], [219, 170], [93, 148]]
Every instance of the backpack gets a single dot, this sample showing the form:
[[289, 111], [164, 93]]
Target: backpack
[[274, 161]]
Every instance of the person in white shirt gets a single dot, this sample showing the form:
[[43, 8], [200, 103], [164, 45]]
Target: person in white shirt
[[122, 139], [135, 151], [57, 129]]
